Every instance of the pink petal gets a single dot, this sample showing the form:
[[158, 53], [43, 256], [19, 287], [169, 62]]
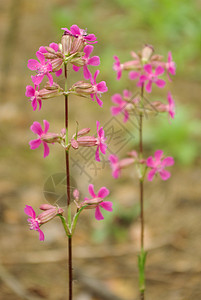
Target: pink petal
[[148, 68], [67, 30], [95, 75], [116, 173], [37, 79], [159, 71], [107, 205], [46, 149], [127, 93], [149, 86], [150, 162], [86, 72], [151, 174], [35, 144], [46, 126], [33, 64], [168, 161], [54, 46], [116, 98], [158, 155], [34, 104], [160, 83], [75, 30], [91, 37], [75, 68], [42, 49], [126, 116], [30, 91], [98, 214], [94, 61], [59, 72], [41, 57], [91, 190], [97, 157], [101, 87], [100, 103], [87, 50], [50, 78], [164, 174], [113, 159], [169, 57], [116, 110], [133, 75], [103, 192], [40, 104], [36, 128], [103, 148], [41, 235], [97, 126], [29, 211]]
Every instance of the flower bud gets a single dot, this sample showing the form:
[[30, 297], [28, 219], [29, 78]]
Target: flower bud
[[147, 52], [78, 44], [159, 106], [83, 131], [66, 42], [79, 62], [49, 214], [46, 94], [82, 87], [56, 64], [46, 206], [92, 203], [84, 141], [76, 194], [50, 137]]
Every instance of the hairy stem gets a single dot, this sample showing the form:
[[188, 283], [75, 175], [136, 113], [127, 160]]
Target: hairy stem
[[70, 270]]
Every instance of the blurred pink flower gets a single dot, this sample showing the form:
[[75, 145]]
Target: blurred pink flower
[[170, 66], [170, 107], [158, 164], [33, 94], [97, 201], [122, 104], [117, 66], [78, 32], [37, 129], [117, 164], [152, 78], [101, 145], [98, 88], [42, 68], [93, 61]]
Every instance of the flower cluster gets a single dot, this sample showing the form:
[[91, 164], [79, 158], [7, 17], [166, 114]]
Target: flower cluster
[[147, 69], [75, 49]]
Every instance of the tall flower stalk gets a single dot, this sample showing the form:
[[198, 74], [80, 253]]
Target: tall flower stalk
[[74, 50], [146, 68]]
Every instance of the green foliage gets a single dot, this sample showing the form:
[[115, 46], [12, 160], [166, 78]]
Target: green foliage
[[179, 139]]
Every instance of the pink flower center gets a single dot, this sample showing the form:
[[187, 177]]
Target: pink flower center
[[33, 224]]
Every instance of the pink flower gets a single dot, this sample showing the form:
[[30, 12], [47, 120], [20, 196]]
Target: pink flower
[[55, 47], [170, 66], [37, 129], [157, 165], [49, 212], [97, 201], [152, 78], [117, 164], [134, 75], [170, 107], [34, 222], [93, 61], [78, 32], [35, 98], [122, 104], [100, 141], [42, 68], [117, 66], [98, 88]]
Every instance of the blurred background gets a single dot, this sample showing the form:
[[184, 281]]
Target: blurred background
[[105, 252]]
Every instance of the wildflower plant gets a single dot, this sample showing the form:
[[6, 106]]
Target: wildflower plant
[[74, 50], [146, 70]]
